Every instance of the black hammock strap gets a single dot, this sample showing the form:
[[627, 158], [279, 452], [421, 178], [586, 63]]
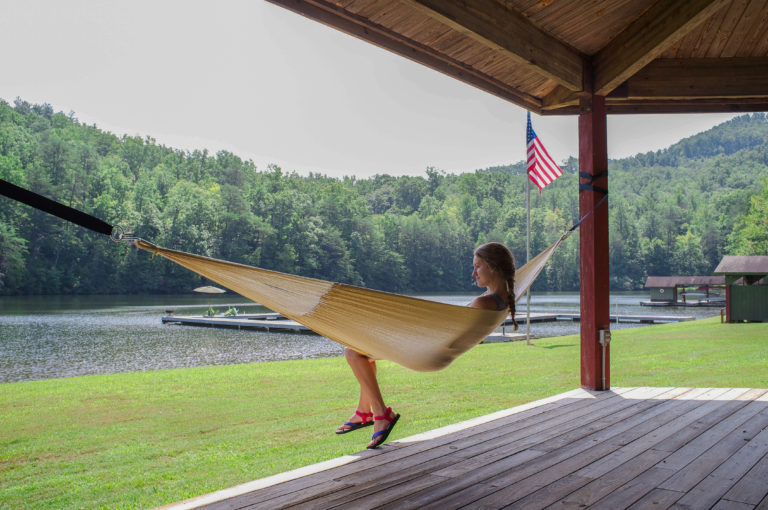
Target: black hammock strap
[[60, 210], [590, 186]]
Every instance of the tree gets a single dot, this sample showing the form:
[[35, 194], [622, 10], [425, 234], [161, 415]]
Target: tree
[[13, 253], [750, 235]]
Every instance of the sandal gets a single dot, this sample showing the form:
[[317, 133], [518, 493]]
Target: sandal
[[356, 425], [382, 435]]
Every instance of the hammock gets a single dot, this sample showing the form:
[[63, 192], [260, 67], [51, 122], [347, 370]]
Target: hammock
[[416, 333]]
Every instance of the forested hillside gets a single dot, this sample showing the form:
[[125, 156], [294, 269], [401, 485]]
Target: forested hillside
[[672, 212]]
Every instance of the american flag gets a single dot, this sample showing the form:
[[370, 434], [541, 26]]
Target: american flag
[[542, 169]]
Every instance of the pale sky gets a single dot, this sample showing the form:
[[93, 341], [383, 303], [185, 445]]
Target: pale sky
[[269, 85]]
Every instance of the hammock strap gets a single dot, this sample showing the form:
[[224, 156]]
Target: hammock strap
[[60, 210], [589, 186]]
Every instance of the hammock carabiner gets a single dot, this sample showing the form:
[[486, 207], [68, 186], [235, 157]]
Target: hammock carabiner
[[118, 234]]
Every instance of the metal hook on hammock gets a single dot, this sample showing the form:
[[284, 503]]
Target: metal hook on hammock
[[119, 234]]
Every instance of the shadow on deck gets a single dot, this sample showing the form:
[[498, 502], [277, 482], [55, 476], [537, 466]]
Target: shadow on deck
[[626, 448]]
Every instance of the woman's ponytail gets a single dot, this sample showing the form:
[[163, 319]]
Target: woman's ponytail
[[511, 294]]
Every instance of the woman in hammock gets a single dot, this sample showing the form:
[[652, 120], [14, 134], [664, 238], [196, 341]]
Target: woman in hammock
[[494, 269]]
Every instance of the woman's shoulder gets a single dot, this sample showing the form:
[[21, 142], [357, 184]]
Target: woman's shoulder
[[489, 302]]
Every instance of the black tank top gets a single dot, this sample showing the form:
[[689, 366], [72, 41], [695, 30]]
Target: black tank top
[[499, 302]]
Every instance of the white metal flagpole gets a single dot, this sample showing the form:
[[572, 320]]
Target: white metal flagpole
[[528, 256]]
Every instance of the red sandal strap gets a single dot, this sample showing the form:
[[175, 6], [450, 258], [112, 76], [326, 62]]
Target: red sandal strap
[[364, 416], [386, 417]]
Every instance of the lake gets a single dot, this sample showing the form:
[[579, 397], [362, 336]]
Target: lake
[[64, 336]]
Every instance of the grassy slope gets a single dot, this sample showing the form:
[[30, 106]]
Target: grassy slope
[[148, 438]]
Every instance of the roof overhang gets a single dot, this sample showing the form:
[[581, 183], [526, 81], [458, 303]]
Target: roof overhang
[[551, 57]]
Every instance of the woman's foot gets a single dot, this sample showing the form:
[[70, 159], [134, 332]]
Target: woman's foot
[[383, 425], [357, 421]]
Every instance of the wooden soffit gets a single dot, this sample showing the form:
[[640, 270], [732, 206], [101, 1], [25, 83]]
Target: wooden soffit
[[644, 56]]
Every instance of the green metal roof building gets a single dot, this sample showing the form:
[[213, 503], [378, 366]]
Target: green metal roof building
[[746, 291]]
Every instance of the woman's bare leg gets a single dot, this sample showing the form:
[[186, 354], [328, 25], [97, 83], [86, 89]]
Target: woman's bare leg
[[364, 369], [364, 402]]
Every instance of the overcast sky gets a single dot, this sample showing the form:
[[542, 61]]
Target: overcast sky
[[271, 86]]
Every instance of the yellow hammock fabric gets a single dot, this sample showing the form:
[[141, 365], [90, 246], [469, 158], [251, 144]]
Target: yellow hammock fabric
[[418, 334]]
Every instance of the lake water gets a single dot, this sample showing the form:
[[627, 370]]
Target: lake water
[[63, 336]]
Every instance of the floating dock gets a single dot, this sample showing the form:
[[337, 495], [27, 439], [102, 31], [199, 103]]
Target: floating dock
[[275, 322], [575, 317], [711, 302]]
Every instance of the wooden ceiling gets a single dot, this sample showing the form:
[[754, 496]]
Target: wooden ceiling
[[550, 56]]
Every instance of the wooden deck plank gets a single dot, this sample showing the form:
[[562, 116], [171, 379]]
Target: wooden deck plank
[[629, 448], [702, 429], [380, 499], [478, 469], [594, 489], [680, 416], [636, 489], [548, 468], [657, 499], [753, 487], [575, 425], [646, 482], [724, 504], [686, 453], [605, 455], [576, 447], [697, 470], [711, 489], [611, 478]]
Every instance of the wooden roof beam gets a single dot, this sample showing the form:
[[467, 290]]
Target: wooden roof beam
[[327, 13], [506, 30], [698, 78], [666, 22], [559, 98]]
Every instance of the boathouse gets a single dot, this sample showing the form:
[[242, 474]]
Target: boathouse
[[665, 290], [746, 292]]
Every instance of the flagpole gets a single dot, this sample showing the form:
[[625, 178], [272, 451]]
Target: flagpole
[[542, 169], [528, 258]]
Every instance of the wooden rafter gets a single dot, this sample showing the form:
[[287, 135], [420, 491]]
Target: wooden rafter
[[650, 35], [506, 30], [699, 78], [680, 85]]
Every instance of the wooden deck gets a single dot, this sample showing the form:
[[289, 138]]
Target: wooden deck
[[694, 448]]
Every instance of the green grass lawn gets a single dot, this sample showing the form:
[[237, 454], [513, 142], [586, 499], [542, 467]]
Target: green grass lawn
[[149, 438]]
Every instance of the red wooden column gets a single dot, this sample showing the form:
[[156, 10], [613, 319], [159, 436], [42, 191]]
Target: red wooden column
[[595, 300]]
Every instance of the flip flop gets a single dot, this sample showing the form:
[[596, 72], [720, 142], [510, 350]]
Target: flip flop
[[356, 425], [383, 434]]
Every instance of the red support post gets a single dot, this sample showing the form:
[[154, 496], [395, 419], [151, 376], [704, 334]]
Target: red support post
[[595, 288]]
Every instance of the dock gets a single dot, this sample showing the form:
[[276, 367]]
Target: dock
[[711, 302], [575, 317], [278, 323], [272, 322]]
